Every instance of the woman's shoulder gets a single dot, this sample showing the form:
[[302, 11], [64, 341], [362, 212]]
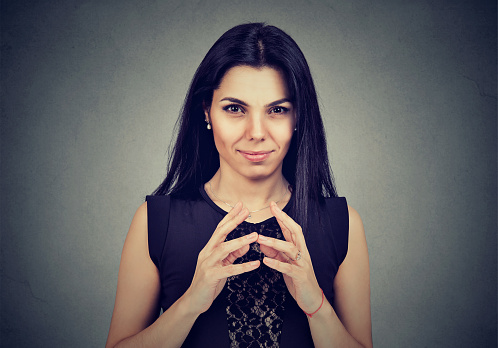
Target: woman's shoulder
[[336, 208], [175, 198], [335, 201], [157, 198], [340, 205], [140, 216], [157, 205], [345, 222], [161, 207], [354, 216]]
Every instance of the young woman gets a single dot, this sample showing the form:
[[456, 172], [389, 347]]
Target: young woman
[[245, 243]]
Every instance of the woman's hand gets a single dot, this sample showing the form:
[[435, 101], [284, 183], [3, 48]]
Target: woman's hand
[[282, 256], [215, 261]]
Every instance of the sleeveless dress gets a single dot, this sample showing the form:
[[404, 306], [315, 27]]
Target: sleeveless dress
[[254, 309]]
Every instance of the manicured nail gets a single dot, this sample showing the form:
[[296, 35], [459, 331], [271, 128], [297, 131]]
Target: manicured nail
[[254, 263], [243, 211], [261, 237]]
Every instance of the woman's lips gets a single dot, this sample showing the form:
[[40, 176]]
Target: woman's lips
[[255, 156]]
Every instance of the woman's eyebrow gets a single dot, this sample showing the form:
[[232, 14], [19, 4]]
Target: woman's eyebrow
[[234, 100], [238, 101], [280, 101]]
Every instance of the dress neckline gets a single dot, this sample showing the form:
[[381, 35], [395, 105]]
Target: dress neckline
[[213, 205]]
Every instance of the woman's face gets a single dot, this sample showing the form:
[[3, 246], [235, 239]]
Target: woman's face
[[252, 121]]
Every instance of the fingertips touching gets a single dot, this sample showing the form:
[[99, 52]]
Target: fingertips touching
[[251, 236]]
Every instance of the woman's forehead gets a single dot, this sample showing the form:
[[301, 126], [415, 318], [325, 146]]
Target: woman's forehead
[[262, 85]]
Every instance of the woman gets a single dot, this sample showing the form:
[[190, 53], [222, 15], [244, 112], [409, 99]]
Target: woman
[[245, 243]]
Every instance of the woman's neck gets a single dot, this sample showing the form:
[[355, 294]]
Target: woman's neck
[[227, 190]]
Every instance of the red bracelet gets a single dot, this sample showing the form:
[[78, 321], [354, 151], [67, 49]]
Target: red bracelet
[[311, 314]]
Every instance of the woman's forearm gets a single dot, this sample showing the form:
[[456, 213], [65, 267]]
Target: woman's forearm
[[328, 331], [169, 330]]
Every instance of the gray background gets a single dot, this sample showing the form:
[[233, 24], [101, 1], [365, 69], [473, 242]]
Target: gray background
[[90, 94]]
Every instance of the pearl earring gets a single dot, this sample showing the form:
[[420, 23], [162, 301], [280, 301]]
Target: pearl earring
[[208, 126]]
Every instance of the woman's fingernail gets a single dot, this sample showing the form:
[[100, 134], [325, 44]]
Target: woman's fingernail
[[252, 235], [261, 237], [254, 263], [243, 211]]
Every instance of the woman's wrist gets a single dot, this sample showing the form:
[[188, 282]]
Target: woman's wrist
[[187, 306], [324, 310], [310, 315]]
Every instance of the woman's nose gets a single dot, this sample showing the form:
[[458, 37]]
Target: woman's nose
[[256, 129]]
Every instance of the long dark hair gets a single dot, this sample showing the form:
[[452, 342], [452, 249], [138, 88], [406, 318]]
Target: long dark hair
[[194, 158]]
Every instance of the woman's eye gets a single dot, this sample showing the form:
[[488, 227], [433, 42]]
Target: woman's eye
[[279, 110], [232, 109]]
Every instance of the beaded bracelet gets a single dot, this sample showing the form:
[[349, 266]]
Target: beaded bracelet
[[311, 314]]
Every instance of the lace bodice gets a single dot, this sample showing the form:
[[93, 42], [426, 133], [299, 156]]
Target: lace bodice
[[256, 299]]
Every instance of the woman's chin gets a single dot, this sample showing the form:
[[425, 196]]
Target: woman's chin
[[259, 174]]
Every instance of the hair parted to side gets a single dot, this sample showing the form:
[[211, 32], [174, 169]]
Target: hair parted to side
[[194, 158]]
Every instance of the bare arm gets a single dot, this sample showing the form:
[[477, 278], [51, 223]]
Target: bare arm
[[350, 325], [136, 306], [133, 322]]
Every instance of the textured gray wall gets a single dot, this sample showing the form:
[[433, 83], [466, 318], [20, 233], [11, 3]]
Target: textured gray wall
[[90, 94]]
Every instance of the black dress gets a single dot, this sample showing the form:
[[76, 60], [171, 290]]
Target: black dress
[[254, 309]]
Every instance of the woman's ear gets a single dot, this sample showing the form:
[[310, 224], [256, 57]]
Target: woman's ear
[[206, 112]]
